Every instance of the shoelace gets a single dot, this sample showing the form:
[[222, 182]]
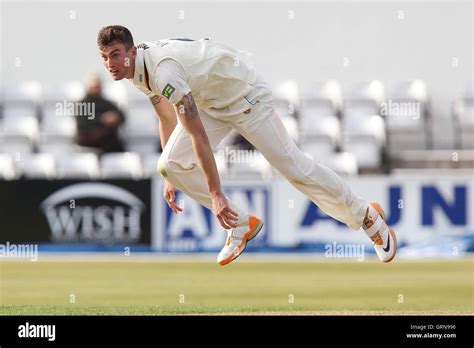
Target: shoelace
[[377, 239], [232, 236]]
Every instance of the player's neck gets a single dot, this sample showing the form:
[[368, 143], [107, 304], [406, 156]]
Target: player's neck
[[131, 72]]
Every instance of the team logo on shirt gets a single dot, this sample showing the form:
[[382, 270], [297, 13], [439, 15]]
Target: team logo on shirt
[[168, 91], [143, 45]]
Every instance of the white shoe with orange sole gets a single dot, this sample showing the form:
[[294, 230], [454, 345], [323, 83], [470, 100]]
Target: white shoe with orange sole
[[237, 239], [383, 238]]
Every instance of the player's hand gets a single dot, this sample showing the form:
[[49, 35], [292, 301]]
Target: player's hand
[[169, 197], [220, 207]]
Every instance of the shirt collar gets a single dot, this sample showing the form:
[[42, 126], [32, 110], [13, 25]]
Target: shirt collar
[[139, 75]]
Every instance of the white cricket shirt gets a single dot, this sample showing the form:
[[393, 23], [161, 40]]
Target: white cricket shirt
[[221, 79]]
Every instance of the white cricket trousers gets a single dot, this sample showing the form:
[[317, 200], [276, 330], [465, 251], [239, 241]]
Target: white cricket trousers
[[178, 164]]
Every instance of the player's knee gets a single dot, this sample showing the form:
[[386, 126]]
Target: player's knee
[[169, 165], [163, 166], [297, 179], [298, 174]]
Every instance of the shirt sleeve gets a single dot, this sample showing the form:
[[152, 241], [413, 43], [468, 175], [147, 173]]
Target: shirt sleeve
[[170, 80]]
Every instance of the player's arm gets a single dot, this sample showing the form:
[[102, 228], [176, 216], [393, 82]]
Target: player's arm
[[188, 114], [189, 117], [168, 120], [167, 115]]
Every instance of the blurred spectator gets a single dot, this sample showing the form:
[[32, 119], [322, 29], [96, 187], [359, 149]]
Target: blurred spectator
[[101, 131]]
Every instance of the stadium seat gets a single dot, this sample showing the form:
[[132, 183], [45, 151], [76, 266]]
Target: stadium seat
[[364, 97], [58, 96], [38, 166], [141, 129], [319, 125], [21, 100], [19, 134], [407, 117], [324, 129], [322, 98], [319, 149], [365, 149], [364, 137], [150, 164], [19, 110], [28, 92], [463, 117], [78, 166], [121, 165], [343, 163], [312, 110], [286, 102], [287, 90], [69, 91], [57, 133], [249, 164], [7, 167], [465, 124], [284, 108]]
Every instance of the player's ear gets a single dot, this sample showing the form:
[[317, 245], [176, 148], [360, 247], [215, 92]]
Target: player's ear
[[134, 51]]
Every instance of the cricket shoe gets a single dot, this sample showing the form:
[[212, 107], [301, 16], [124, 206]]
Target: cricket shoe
[[237, 239], [382, 236]]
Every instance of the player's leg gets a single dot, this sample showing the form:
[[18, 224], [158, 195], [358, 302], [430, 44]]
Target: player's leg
[[320, 184], [178, 163]]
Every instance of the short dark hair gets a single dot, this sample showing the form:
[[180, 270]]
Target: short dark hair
[[112, 33]]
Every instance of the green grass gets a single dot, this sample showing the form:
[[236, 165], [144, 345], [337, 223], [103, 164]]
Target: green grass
[[154, 287]]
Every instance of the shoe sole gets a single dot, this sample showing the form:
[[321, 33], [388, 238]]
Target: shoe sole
[[379, 209], [247, 237]]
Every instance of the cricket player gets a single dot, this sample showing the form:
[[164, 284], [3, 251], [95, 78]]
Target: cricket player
[[201, 90]]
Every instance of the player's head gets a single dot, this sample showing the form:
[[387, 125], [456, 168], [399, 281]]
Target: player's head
[[117, 50]]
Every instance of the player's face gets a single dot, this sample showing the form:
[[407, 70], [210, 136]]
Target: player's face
[[118, 60]]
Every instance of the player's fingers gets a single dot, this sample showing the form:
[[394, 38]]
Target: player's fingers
[[222, 222], [175, 207], [230, 211], [171, 195], [228, 217], [231, 223], [170, 205], [169, 201]]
